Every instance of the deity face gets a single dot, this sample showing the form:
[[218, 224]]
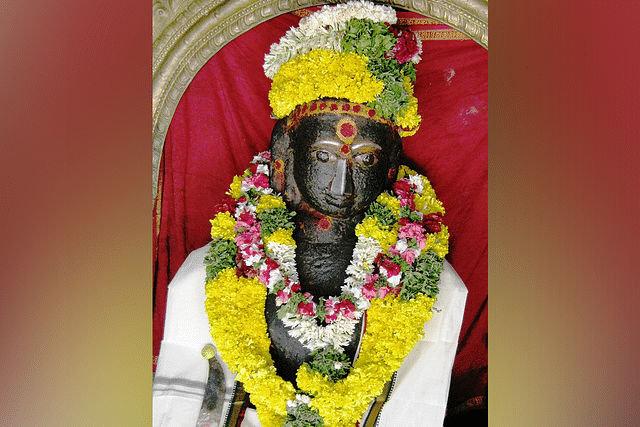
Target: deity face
[[342, 162]]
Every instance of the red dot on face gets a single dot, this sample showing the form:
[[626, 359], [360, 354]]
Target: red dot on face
[[325, 223], [345, 149], [347, 130]]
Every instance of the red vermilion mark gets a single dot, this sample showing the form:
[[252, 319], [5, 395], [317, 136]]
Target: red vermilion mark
[[346, 130], [325, 223]]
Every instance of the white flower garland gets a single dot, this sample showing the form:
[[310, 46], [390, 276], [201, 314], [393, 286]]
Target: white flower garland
[[322, 30], [273, 261]]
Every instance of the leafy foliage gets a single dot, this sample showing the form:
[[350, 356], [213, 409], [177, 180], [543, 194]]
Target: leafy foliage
[[221, 255], [303, 416], [330, 363], [274, 219], [383, 213], [424, 277]]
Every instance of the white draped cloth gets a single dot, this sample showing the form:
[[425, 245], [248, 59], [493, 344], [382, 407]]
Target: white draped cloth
[[418, 398]]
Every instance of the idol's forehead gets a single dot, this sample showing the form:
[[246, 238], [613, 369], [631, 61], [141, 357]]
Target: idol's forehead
[[344, 128]]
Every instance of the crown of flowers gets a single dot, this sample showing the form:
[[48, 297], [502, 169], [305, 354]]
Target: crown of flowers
[[352, 51]]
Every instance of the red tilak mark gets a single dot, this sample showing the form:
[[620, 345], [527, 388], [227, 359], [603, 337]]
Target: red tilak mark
[[345, 149], [325, 223], [347, 130]]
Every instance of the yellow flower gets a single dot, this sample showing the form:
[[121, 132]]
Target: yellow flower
[[390, 202], [234, 189], [269, 201], [322, 73], [408, 117], [222, 226], [404, 171], [369, 227], [441, 245], [281, 236]]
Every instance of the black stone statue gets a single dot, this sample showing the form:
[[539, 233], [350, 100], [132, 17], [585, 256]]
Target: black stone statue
[[329, 167]]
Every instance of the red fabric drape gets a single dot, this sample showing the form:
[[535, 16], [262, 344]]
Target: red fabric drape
[[223, 120]]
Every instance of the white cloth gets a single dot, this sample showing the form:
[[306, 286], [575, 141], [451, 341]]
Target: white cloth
[[419, 397]]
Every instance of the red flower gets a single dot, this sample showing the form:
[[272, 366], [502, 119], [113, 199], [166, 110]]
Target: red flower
[[392, 268], [406, 46], [432, 222], [346, 308], [228, 204], [295, 287], [402, 188], [307, 309]]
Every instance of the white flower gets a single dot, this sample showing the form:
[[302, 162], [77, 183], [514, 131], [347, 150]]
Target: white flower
[[417, 181], [401, 245], [322, 30], [303, 398]]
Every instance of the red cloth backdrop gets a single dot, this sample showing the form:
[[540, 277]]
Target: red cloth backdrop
[[223, 120]]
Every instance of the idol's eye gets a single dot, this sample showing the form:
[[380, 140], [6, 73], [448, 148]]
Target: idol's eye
[[367, 159], [322, 156]]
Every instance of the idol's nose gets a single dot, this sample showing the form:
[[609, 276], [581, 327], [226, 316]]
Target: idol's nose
[[342, 182]]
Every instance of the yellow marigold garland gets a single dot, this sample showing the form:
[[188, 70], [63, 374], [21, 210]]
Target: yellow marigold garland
[[222, 226], [322, 73], [385, 235], [269, 201], [235, 307]]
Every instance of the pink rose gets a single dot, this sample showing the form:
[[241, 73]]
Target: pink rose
[[369, 291], [383, 291], [331, 314], [246, 219], [261, 180], [409, 256], [411, 230], [283, 296]]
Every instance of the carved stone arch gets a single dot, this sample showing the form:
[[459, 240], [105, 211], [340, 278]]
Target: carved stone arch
[[187, 33]]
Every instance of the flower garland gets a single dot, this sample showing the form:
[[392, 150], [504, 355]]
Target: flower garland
[[393, 275], [352, 51]]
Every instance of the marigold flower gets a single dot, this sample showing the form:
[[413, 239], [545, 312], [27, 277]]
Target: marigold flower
[[222, 226]]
